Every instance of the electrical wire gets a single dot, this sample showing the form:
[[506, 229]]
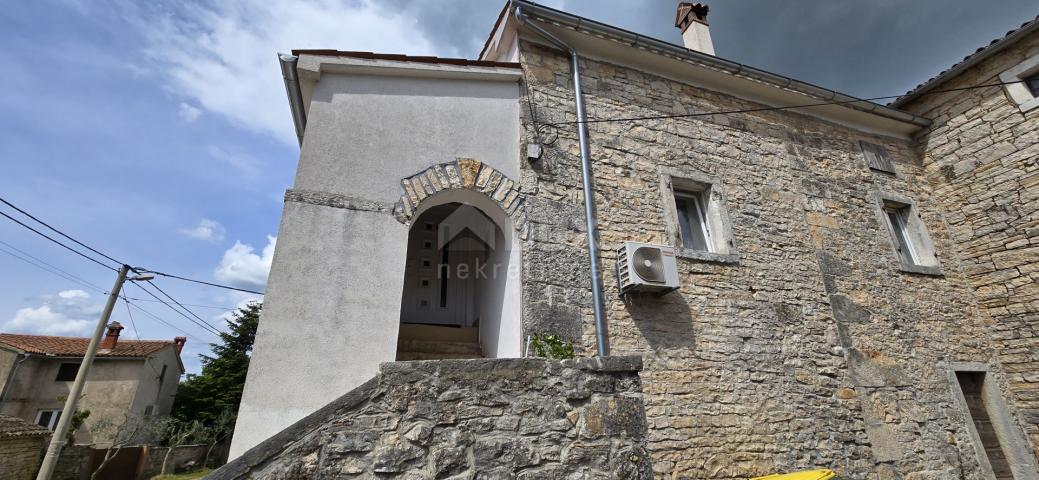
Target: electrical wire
[[59, 232], [92, 259], [227, 287], [164, 322], [769, 109], [171, 307], [54, 270], [44, 235], [181, 305], [50, 268], [130, 314]]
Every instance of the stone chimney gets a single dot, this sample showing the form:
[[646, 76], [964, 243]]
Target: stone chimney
[[179, 342], [112, 337], [691, 18]]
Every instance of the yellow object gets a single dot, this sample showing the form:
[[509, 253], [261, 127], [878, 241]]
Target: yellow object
[[823, 474]]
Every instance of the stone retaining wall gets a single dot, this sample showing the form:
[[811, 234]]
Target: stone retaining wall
[[20, 455], [488, 418]]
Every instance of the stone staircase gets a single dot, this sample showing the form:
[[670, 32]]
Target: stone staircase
[[432, 342], [426, 350]]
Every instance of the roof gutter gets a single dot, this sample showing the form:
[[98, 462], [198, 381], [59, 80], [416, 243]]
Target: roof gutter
[[967, 63], [550, 15], [598, 304], [288, 73]]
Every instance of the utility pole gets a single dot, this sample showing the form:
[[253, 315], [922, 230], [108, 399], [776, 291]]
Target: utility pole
[[50, 460]]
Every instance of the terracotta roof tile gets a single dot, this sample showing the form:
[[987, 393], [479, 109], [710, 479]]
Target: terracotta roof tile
[[16, 427], [77, 346], [931, 82]]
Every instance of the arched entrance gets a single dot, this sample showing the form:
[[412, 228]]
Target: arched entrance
[[461, 294]]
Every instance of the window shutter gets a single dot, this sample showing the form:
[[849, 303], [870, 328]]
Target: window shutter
[[877, 157]]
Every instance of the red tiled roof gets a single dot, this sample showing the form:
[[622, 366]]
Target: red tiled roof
[[77, 346], [406, 58], [16, 427], [978, 55]]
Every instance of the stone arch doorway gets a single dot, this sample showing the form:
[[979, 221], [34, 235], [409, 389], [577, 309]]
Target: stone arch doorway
[[461, 294]]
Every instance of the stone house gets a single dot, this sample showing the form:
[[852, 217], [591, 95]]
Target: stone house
[[856, 283], [21, 446], [128, 378]]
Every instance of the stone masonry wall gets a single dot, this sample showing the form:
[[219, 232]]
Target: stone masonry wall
[[981, 157], [20, 456], [463, 419], [813, 349]]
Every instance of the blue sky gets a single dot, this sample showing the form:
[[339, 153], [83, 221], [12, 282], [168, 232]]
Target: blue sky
[[159, 132]]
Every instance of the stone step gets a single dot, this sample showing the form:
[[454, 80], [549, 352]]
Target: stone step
[[410, 356], [423, 346]]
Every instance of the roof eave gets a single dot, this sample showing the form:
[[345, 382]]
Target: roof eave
[[620, 35], [971, 60]]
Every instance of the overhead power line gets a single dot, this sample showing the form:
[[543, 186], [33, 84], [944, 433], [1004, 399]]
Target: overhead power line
[[768, 109], [164, 322], [44, 235], [92, 259], [205, 327], [42, 265], [54, 270], [59, 232], [161, 274], [181, 305]]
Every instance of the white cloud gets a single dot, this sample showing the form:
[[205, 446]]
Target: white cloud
[[73, 294], [70, 312], [241, 300], [242, 267], [207, 230], [188, 113], [222, 57], [244, 165]]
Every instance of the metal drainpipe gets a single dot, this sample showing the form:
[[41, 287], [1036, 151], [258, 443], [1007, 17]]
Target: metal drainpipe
[[288, 71], [598, 305]]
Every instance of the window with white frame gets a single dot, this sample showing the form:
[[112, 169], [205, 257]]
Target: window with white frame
[[1021, 83], [897, 221], [909, 237], [48, 418], [694, 230], [696, 220]]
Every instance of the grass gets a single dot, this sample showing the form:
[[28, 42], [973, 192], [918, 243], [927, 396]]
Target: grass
[[185, 476]]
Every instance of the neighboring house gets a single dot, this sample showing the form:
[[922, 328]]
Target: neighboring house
[[856, 283], [21, 446], [129, 378]]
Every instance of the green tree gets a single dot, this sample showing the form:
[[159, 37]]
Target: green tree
[[218, 388]]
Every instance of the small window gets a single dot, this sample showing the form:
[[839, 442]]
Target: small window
[[48, 418], [897, 220], [972, 387], [149, 410], [696, 221], [1021, 83], [913, 246], [1032, 83], [67, 372], [877, 157], [694, 229]]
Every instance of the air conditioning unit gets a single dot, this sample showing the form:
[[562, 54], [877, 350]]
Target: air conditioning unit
[[644, 267]]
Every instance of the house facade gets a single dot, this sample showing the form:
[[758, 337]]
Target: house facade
[[856, 282], [128, 379]]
